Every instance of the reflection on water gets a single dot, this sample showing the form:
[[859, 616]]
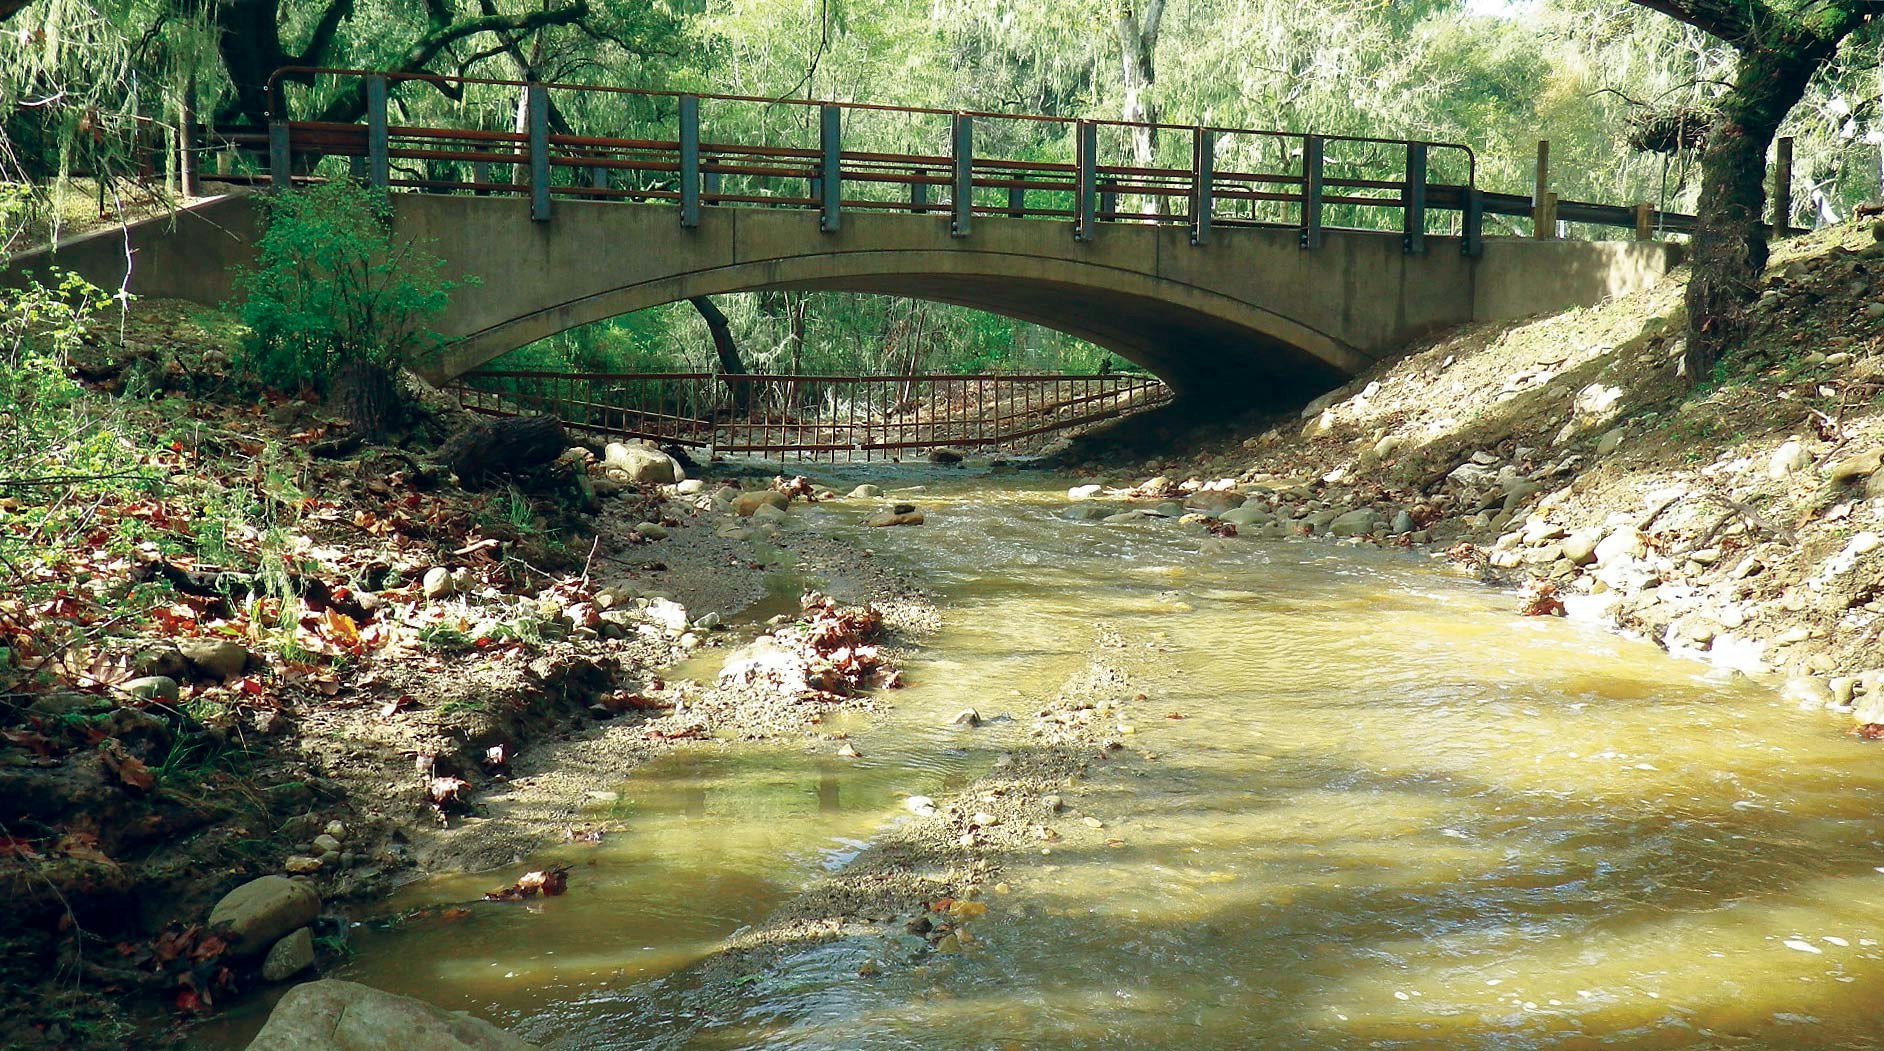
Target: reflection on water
[[1394, 815]]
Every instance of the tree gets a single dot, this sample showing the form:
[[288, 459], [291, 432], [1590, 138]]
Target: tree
[[1781, 45], [1138, 45], [249, 41]]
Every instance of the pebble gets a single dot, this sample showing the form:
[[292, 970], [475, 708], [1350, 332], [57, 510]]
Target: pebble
[[437, 583]]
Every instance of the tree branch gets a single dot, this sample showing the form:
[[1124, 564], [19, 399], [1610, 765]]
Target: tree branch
[[321, 40], [9, 8], [1723, 18], [350, 106]]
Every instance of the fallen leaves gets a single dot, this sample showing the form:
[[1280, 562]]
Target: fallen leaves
[[1541, 600], [128, 768], [548, 882]]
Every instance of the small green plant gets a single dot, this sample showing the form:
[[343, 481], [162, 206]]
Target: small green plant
[[333, 288]]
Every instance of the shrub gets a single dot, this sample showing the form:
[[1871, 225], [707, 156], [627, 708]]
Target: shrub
[[41, 422], [333, 290]]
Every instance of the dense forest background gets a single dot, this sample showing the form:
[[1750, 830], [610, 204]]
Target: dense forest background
[[1622, 92]]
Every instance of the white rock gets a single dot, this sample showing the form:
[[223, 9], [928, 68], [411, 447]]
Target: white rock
[[437, 583], [1626, 542], [1789, 458]]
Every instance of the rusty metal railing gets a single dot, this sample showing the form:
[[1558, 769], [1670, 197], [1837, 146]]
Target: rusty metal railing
[[832, 157], [812, 417]]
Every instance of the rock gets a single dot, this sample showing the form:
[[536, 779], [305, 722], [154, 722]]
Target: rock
[[262, 910], [1874, 310], [668, 614], [1791, 456], [893, 518], [160, 659], [336, 829], [1627, 542], [160, 688], [218, 658], [944, 456], [1084, 512], [1356, 523], [652, 530], [690, 487], [966, 717], [326, 844], [332, 1015], [1085, 492], [289, 957], [1168, 509], [849, 751], [1213, 501], [301, 864], [1246, 515], [642, 463], [1855, 468], [920, 805], [437, 583], [902, 509], [1386, 447], [1402, 522], [866, 491], [747, 504], [1580, 547], [708, 622], [769, 513], [1609, 442]]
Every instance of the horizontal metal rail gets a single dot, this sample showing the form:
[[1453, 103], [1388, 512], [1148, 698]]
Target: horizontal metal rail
[[1238, 176], [812, 416]]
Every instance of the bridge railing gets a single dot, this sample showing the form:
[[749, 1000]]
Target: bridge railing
[[701, 150], [812, 416]]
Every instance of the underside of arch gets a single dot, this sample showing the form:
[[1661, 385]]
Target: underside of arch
[[1204, 344]]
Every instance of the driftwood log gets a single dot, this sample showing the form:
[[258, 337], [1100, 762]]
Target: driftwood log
[[503, 445]]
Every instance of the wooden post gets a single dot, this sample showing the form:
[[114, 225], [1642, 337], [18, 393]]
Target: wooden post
[[689, 161], [1312, 149], [1203, 178], [537, 105], [962, 202], [378, 158], [1782, 188], [1645, 222], [830, 160], [1413, 242], [1540, 191]]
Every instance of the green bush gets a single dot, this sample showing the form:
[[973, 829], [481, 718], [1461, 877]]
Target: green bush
[[333, 288], [41, 423]]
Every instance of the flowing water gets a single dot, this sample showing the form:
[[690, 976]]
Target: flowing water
[[1394, 815]]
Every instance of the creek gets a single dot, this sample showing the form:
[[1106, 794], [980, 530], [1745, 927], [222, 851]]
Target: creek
[[1394, 814]]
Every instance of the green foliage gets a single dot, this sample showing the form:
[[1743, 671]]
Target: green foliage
[[44, 427], [332, 287]]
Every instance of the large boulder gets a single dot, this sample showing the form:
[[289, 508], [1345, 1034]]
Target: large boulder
[[260, 911], [216, 658], [331, 1015], [642, 463], [1359, 522], [747, 504]]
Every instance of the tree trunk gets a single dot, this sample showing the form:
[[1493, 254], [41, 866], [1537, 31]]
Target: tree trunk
[[367, 395], [1729, 248], [728, 353], [1138, 45], [505, 445]]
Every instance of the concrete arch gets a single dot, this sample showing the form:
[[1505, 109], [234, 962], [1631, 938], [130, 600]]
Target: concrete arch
[[1169, 328]]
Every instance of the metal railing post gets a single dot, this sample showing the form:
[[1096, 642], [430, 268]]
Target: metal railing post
[[537, 97], [481, 174], [1782, 187], [280, 155], [1645, 222], [378, 154], [830, 170], [963, 202], [1414, 241], [1203, 176], [1312, 150], [1016, 202], [689, 117], [919, 195], [1472, 224], [1085, 154], [1541, 224]]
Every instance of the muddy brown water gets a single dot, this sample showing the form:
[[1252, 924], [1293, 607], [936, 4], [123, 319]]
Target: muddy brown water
[[1394, 815]]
